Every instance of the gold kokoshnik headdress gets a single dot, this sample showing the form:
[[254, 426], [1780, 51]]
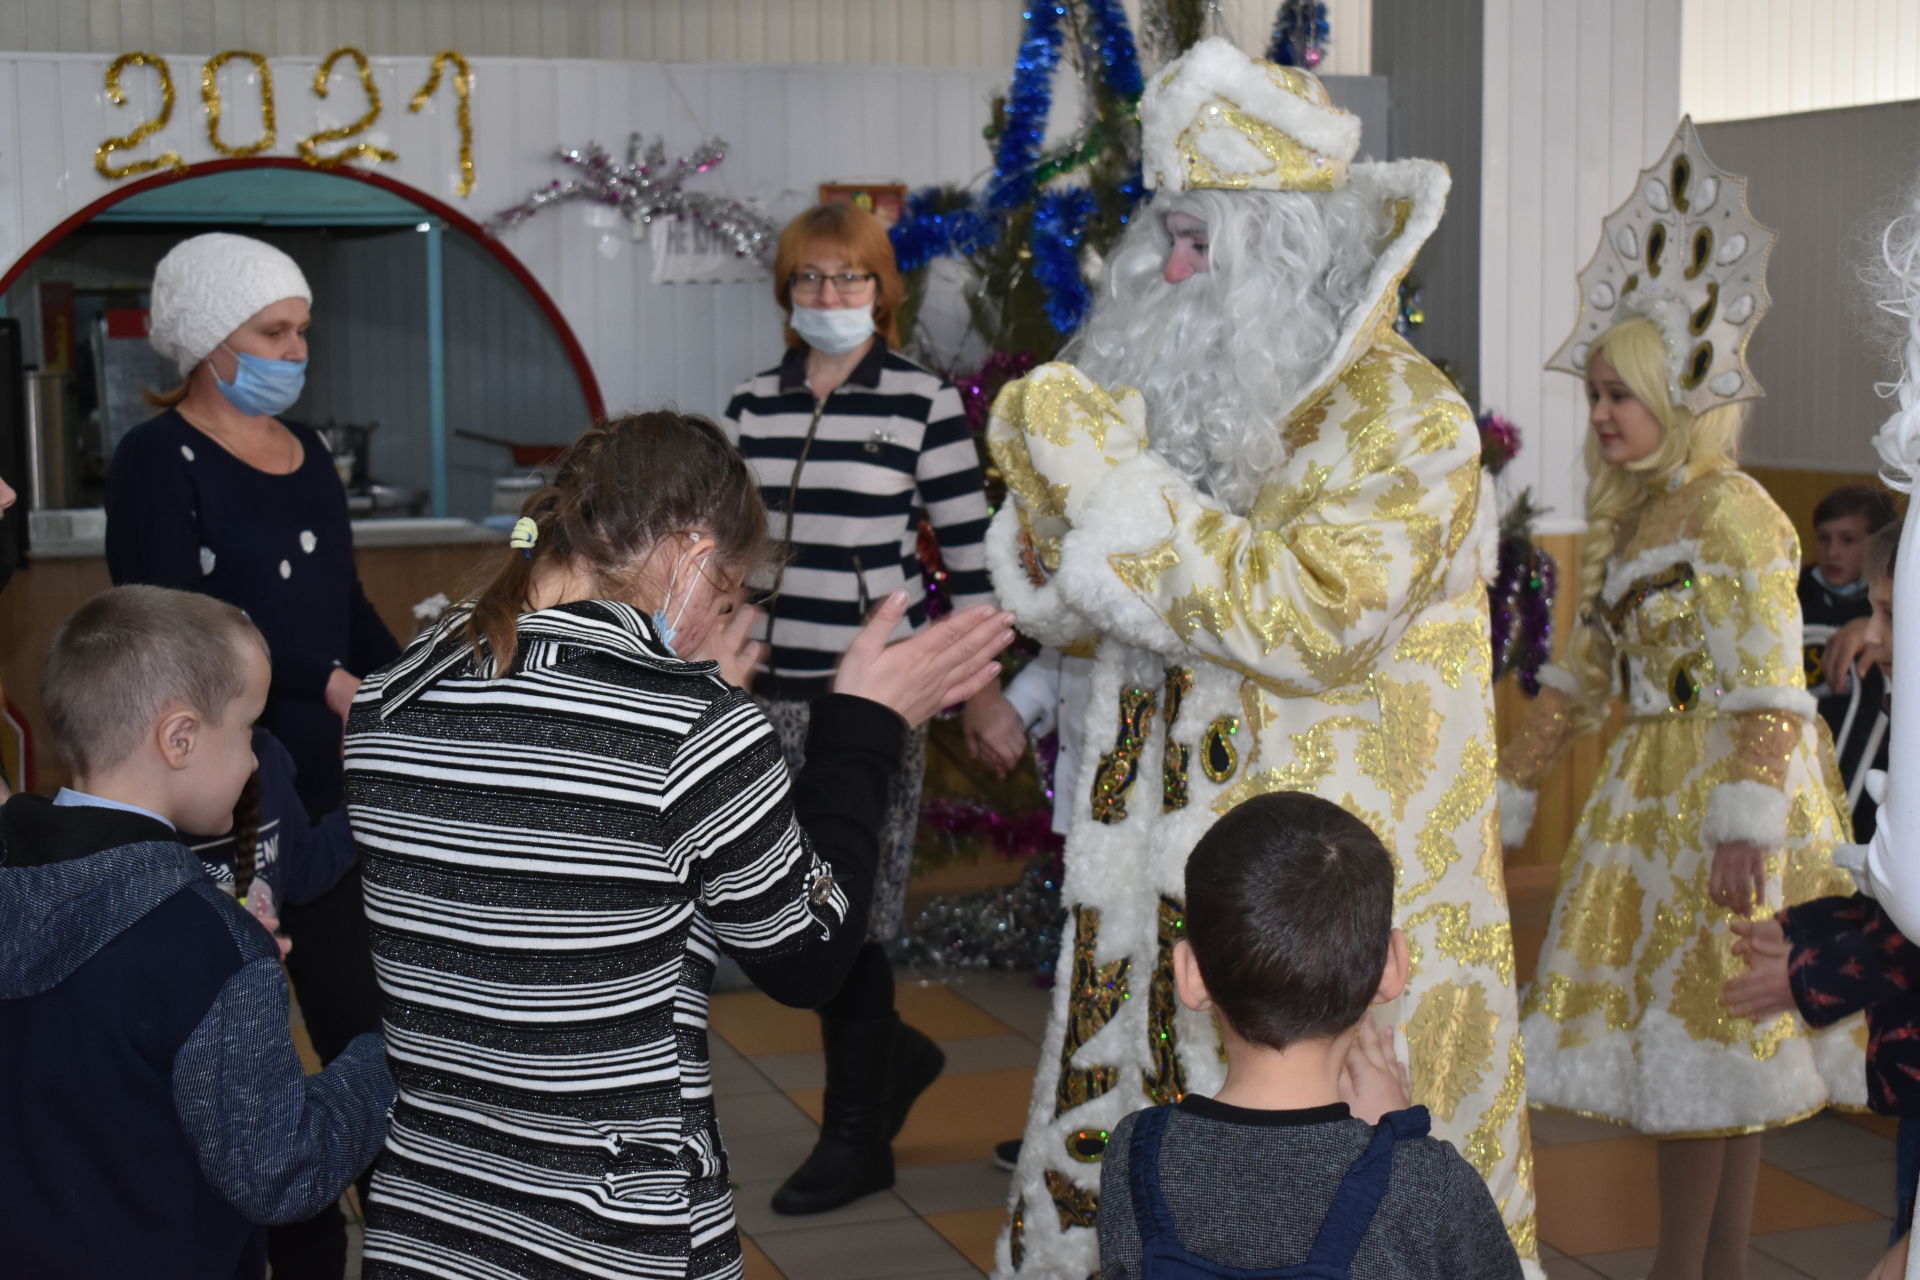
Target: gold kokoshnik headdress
[[1685, 252]]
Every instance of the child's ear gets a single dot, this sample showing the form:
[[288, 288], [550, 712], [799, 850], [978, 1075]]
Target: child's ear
[[1394, 980], [1187, 982], [176, 735]]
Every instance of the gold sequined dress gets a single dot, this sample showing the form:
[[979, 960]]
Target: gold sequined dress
[[1699, 625], [1333, 639]]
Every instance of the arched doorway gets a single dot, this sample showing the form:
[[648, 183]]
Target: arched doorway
[[443, 340]]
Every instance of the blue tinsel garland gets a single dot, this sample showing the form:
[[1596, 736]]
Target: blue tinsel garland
[[926, 231], [1029, 97], [1059, 220]]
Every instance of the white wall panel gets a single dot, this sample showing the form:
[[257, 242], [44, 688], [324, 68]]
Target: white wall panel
[[1744, 58], [1827, 182], [1578, 98], [953, 33], [1430, 56]]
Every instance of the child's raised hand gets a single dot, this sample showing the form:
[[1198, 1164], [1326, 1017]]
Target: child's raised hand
[[1763, 990], [1372, 1080]]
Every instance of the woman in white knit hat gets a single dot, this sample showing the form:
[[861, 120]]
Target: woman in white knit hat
[[222, 495]]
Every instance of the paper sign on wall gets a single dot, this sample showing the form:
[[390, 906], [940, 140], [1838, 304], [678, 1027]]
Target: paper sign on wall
[[688, 253]]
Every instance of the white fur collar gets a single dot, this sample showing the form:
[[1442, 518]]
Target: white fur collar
[[1423, 185], [1623, 574]]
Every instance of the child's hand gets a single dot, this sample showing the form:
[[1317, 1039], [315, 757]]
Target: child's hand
[[1763, 990], [996, 736], [1373, 1081], [1738, 880], [260, 903]]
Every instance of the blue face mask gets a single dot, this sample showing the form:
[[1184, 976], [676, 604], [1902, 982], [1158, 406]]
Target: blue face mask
[[263, 386], [665, 626], [834, 330]]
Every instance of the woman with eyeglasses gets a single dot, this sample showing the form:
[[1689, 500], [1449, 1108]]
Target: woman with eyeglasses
[[851, 443]]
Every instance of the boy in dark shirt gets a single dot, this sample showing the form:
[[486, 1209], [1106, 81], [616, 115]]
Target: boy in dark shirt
[[1289, 939], [1833, 593], [153, 1109], [1833, 957]]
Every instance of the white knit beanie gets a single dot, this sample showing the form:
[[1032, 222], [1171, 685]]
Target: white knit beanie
[[208, 286]]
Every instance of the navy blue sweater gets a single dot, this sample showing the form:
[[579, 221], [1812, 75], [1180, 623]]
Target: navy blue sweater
[[183, 512], [300, 858], [152, 1106]]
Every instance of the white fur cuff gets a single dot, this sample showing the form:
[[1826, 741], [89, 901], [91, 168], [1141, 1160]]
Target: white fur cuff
[[1517, 808], [1749, 811], [1770, 698], [1041, 612], [1555, 676]]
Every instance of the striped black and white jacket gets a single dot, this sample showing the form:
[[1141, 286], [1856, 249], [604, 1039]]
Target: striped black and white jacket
[[845, 481], [553, 861]]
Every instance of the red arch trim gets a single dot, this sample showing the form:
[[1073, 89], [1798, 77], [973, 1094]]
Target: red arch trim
[[576, 355]]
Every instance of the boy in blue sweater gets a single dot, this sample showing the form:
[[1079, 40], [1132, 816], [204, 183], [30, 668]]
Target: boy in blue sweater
[[152, 1105]]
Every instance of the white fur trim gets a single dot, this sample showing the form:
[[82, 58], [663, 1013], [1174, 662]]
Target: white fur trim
[[1517, 807], [1213, 70], [1797, 702], [1625, 573], [1750, 811], [1555, 676], [1042, 612], [1124, 514], [210, 285], [1661, 1079]]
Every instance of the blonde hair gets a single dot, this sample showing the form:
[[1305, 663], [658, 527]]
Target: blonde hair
[[1689, 444]]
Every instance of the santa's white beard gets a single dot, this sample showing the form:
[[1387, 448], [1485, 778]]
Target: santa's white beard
[[1222, 358]]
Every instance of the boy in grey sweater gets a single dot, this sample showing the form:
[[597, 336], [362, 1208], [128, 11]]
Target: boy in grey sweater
[[1310, 1156]]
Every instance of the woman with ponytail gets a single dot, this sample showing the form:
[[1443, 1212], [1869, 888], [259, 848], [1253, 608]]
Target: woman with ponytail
[[1717, 801], [568, 810]]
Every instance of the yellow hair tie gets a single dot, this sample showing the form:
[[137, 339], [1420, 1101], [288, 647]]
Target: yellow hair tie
[[525, 534]]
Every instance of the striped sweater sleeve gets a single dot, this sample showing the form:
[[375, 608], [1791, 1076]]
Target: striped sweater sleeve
[[788, 901], [953, 492]]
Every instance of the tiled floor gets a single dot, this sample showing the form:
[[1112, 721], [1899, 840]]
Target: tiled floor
[[1825, 1193], [1825, 1196]]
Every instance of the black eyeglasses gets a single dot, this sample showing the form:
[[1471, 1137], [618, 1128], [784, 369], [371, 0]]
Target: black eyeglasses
[[844, 282]]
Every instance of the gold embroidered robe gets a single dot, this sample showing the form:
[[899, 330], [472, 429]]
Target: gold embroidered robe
[[1334, 639], [1700, 617]]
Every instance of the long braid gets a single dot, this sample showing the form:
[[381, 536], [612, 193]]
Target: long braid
[[246, 836]]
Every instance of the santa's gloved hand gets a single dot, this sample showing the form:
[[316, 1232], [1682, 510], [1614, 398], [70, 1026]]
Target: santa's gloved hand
[[1055, 432]]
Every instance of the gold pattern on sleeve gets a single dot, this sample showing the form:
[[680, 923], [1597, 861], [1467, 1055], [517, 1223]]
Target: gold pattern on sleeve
[[1141, 571], [1490, 946], [1441, 838], [1398, 752], [1314, 757], [1483, 1149], [1343, 569], [1450, 1040], [1454, 649]]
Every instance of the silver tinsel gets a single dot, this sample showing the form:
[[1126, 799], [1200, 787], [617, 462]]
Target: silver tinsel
[[1158, 45], [649, 186], [1016, 927]]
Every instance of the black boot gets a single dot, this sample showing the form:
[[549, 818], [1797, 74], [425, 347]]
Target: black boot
[[917, 1063], [854, 1157]]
